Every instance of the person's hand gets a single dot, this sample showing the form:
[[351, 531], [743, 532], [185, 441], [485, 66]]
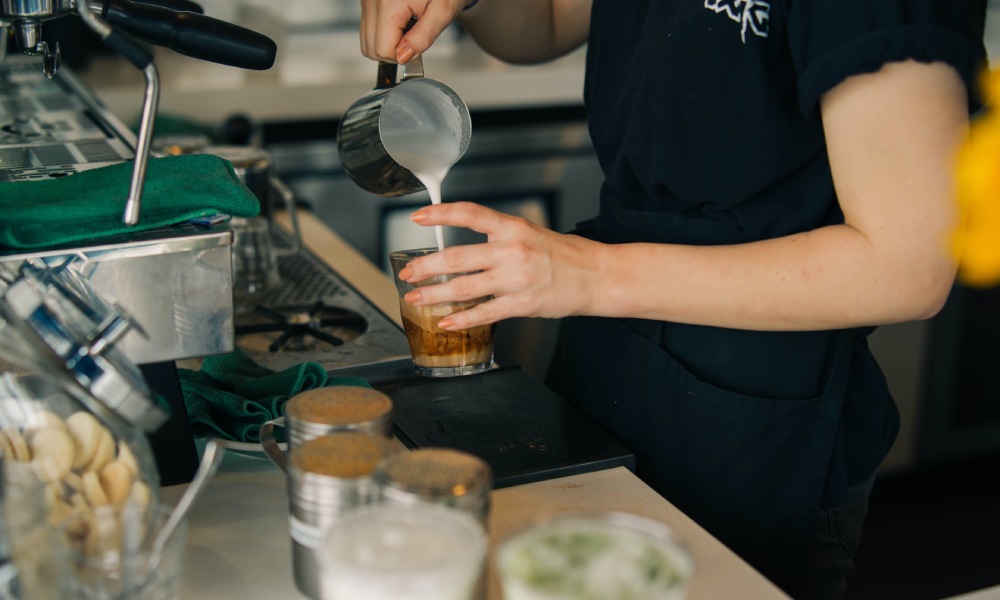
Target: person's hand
[[530, 271], [383, 23]]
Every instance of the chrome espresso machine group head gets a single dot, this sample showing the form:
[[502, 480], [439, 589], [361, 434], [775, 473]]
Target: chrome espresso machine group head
[[24, 19], [122, 24], [177, 24]]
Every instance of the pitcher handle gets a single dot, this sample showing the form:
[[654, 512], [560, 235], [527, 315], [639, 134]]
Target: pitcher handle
[[386, 77], [270, 446]]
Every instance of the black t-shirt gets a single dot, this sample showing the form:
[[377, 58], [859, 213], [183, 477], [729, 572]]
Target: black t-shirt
[[705, 113], [708, 104]]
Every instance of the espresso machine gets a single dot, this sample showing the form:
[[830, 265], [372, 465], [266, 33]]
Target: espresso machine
[[174, 284]]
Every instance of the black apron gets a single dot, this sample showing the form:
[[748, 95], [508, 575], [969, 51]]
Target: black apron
[[748, 466]]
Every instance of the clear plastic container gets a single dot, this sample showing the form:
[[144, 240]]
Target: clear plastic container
[[422, 552], [597, 556]]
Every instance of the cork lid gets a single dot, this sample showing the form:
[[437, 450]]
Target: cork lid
[[435, 473], [345, 454], [339, 405]]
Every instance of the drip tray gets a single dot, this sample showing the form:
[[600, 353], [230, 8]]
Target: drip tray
[[507, 417]]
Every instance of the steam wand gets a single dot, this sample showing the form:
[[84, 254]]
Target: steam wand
[[143, 60]]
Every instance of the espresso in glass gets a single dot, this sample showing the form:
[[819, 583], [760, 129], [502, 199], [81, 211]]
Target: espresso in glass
[[438, 352]]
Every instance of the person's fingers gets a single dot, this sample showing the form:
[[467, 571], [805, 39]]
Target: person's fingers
[[468, 215], [454, 259], [428, 27], [389, 24], [369, 16], [456, 289], [491, 311]]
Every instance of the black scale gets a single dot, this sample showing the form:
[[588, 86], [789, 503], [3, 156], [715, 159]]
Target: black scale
[[507, 417]]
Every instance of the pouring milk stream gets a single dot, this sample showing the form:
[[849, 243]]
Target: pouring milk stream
[[421, 130], [429, 155]]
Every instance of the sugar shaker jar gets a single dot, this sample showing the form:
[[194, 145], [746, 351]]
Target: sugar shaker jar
[[320, 411], [327, 477], [442, 476]]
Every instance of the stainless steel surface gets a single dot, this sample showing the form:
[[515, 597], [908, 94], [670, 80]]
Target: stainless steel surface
[[150, 105], [25, 17], [340, 408], [31, 8], [176, 287], [175, 284], [317, 498], [54, 127], [356, 337]]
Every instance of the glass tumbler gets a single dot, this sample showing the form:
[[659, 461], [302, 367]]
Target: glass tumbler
[[255, 264], [438, 352]]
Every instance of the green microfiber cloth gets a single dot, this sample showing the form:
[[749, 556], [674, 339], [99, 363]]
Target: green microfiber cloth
[[89, 204], [231, 396]]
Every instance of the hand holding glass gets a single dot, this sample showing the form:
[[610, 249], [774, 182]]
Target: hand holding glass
[[438, 352]]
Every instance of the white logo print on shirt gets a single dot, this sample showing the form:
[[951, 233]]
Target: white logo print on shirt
[[752, 15]]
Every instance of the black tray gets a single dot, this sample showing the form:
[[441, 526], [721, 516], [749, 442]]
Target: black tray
[[507, 417]]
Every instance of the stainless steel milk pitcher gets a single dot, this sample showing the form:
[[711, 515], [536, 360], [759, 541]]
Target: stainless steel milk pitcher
[[414, 101]]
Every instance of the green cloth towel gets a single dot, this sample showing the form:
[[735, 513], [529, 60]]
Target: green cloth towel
[[90, 204], [231, 396]]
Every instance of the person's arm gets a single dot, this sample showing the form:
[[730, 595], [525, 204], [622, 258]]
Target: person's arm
[[528, 32], [891, 137], [522, 31]]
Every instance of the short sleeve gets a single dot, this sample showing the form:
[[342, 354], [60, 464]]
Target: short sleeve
[[831, 40]]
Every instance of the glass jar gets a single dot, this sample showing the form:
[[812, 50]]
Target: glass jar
[[28, 537], [73, 411]]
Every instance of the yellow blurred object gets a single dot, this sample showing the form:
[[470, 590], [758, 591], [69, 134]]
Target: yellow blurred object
[[976, 242]]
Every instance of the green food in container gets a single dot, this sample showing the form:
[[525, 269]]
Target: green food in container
[[606, 556]]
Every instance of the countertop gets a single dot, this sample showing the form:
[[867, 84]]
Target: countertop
[[318, 77], [238, 544]]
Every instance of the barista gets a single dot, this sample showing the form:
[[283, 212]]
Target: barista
[[778, 181]]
